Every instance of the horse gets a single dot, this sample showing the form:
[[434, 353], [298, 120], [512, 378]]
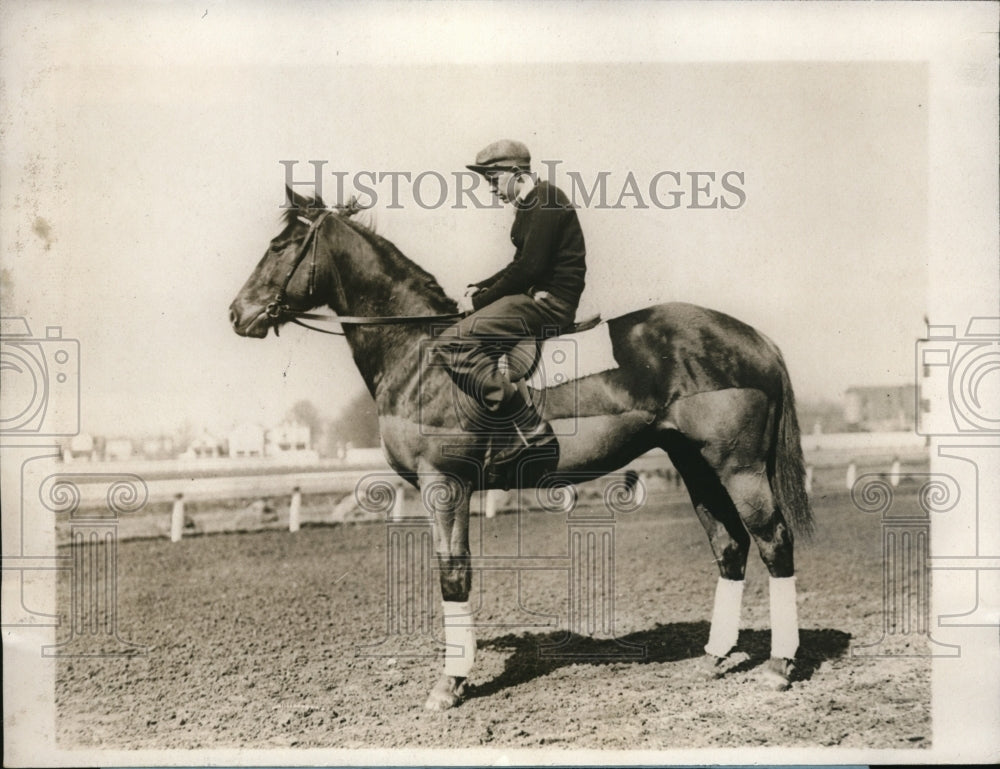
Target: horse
[[709, 390]]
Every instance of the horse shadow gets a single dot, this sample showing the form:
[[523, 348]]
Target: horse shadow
[[533, 655]]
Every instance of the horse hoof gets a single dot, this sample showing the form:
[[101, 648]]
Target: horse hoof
[[446, 694], [716, 667], [778, 672]]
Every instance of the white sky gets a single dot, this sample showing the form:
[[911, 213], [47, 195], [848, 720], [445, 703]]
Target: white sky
[[148, 140]]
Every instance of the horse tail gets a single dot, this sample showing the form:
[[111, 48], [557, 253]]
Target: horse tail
[[787, 465]]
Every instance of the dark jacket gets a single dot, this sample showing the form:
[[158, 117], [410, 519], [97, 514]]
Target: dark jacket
[[550, 255]]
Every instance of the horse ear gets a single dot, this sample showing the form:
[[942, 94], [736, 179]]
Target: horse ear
[[292, 199], [299, 203], [302, 205]]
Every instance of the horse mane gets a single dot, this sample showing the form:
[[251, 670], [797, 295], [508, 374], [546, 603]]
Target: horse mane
[[397, 266], [403, 270]]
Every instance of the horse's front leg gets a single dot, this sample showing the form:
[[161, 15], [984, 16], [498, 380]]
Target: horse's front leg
[[448, 498]]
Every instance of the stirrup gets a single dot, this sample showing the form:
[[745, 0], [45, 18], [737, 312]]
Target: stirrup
[[543, 435], [525, 464]]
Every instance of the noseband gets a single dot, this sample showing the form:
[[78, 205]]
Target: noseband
[[279, 308]]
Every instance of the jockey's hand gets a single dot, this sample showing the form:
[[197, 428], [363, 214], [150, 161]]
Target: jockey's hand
[[465, 303]]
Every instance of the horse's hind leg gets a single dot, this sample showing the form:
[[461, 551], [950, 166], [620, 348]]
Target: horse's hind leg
[[734, 429], [729, 540], [751, 493]]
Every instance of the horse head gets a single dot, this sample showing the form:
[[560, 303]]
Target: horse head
[[289, 278], [323, 258]]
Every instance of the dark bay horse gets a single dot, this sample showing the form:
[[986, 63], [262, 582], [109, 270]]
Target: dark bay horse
[[709, 390]]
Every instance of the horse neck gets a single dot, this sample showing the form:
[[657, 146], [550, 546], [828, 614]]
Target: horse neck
[[369, 277]]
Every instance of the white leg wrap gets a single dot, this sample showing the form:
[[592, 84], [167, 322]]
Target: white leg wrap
[[784, 618], [725, 617], [460, 637]]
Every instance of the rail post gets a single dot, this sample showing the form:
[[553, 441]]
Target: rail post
[[177, 519], [894, 472], [809, 479], [295, 510], [852, 475], [492, 501], [397, 503]]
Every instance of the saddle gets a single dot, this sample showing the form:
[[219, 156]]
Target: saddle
[[521, 361]]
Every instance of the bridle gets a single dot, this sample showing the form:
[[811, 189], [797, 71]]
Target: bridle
[[279, 305], [279, 308]]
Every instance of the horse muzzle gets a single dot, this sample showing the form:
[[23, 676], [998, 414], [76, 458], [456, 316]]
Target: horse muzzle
[[256, 326]]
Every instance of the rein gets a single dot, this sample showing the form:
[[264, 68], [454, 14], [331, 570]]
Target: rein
[[278, 308], [360, 320]]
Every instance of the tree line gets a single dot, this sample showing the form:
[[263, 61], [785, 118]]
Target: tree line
[[357, 424]]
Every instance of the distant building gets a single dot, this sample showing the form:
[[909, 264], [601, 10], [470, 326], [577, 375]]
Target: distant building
[[821, 416], [118, 449], [80, 447], [205, 446], [161, 447], [247, 440], [286, 438], [881, 409]]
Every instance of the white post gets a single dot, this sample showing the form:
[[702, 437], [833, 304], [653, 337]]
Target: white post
[[492, 500], [397, 504], [809, 479], [295, 510], [852, 475], [177, 519], [894, 473]]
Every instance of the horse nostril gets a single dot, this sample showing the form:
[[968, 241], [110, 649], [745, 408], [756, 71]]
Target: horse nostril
[[232, 316]]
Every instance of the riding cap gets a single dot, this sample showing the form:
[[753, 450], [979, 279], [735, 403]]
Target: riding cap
[[502, 155]]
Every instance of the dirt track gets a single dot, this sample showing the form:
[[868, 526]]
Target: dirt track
[[260, 640]]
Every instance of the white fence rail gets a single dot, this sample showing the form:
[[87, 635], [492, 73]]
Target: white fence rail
[[181, 483]]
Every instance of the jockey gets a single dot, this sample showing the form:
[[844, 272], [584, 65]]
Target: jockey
[[537, 293]]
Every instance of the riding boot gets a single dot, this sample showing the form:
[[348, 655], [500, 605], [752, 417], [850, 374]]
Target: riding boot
[[531, 431]]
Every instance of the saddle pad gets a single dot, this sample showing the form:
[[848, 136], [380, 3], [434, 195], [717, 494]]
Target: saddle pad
[[573, 356]]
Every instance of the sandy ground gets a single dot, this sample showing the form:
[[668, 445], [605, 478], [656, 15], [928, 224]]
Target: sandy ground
[[272, 639]]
